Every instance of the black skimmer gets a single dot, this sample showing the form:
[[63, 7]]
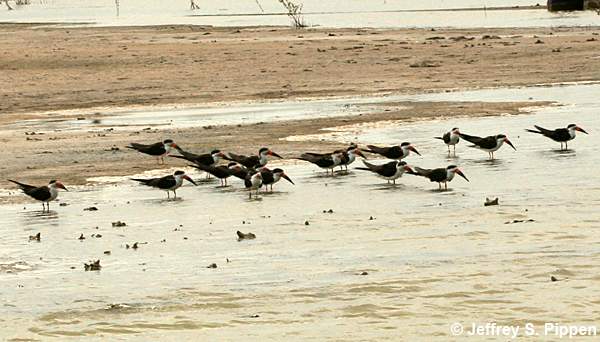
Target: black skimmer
[[393, 152], [222, 171], [324, 161], [210, 159], [158, 150], [253, 162], [348, 155], [44, 194], [270, 177], [441, 175], [488, 144], [389, 171], [253, 181], [451, 139], [167, 183], [238, 170], [561, 135]]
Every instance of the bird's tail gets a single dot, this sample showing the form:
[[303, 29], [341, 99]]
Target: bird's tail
[[419, 171], [438, 138], [21, 185], [144, 181], [469, 138], [533, 131], [371, 149]]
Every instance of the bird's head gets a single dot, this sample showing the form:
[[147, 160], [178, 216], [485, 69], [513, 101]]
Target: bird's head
[[182, 175], [403, 165], [406, 146], [574, 127], [455, 169], [56, 184], [501, 138], [280, 173], [169, 144]]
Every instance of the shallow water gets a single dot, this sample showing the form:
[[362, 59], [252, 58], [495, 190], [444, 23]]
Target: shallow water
[[332, 13], [432, 258]]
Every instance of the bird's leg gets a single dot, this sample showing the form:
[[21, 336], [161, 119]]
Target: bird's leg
[[168, 194], [440, 186], [394, 182], [566, 145], [446, 185], [454, 146], [448, 149]]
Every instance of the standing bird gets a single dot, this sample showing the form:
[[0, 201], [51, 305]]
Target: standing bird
[[561, 135], [158, 150], [348, 155], [388, 171], [325, 161], [209, 159], [488, 144], [44, 194], [238, 170], [222, 172], [441, 175], [270, 177], [451, 138], [393, 152], [253, 162], [253, 181], [167, 183]]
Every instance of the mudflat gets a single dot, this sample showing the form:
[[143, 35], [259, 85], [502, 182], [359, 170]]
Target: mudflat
[[46, 70]]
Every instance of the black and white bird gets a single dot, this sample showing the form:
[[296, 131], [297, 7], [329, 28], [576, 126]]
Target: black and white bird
[[209, 159], [44, 194], [158, 150], [222, 172], [388, 171], [451, 139], [253, 182], [348, 155], [270, 177], [393, 152], [561, 135], [253, 162], [167, 183], [488, 144], [441, 175], [324, 161]]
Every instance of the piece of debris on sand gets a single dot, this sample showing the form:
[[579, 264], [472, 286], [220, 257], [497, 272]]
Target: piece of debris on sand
[[37, 237], [119, 224], [213, 265], [489, 201], [92, 266], [245, 236]]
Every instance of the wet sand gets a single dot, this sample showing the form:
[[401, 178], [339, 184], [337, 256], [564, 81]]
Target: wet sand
[[400, 262], [75, 68], [74, 156]]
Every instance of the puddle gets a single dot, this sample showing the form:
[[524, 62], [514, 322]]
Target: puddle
[[429, 257]]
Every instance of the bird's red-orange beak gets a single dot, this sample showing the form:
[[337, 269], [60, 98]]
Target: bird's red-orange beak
[[460, 173], [174, 145], [358, 152], [410, 147], [186, 177], [283, 175], [271, 153], [581, 130], [509, 143], [408, 169], [60, 185]]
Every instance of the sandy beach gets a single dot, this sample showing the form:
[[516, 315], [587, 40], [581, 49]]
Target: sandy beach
[[346, 257], [88, 70]]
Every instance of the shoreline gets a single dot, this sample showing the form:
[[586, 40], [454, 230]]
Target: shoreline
[[82, 71]]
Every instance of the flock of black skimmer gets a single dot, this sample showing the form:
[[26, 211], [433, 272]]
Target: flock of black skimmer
[[252, 170]]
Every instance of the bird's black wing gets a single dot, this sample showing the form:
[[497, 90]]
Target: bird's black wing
[[388, 169], [471, 138], [438, 175], [41, 193], [23, 186]]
